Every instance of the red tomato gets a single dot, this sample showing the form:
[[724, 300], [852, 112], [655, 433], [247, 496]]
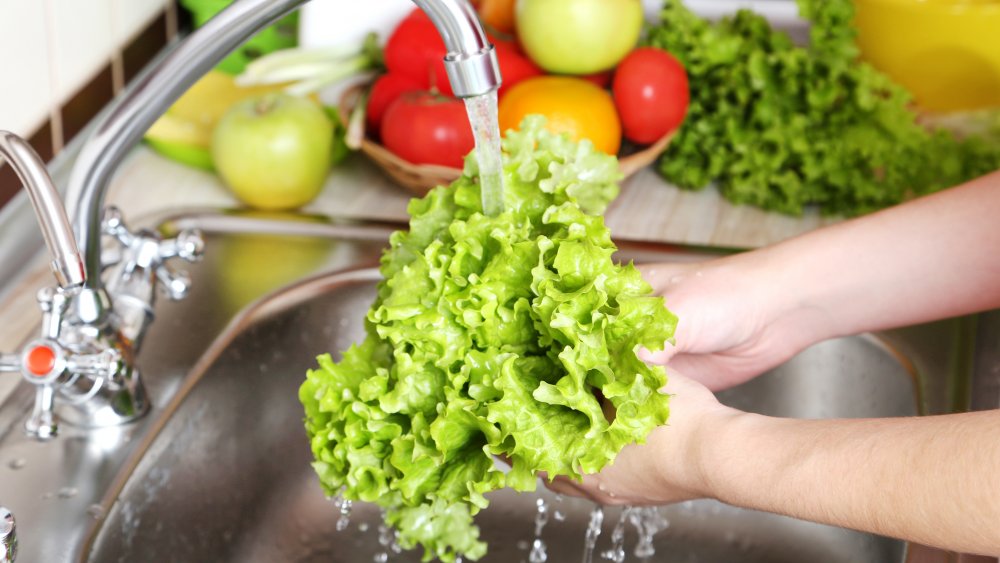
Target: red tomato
[[651, 93], [384, 91], [415, 49], [427, 128]]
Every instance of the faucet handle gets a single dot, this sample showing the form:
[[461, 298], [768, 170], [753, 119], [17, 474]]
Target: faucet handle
[[42, 363], [10, 363], [189, 246], [113, 224], [45, 363], [145, 251]]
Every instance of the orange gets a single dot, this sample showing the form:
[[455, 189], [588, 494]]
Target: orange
[[571, 105]]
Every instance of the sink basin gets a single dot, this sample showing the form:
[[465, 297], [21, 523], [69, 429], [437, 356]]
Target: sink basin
[[220, 470], [226, 476]]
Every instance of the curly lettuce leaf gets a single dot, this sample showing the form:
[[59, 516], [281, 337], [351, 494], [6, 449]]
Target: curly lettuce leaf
[[782, 127], [491, 336]]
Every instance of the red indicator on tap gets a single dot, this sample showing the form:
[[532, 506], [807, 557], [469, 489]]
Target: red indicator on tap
[[40, 360]]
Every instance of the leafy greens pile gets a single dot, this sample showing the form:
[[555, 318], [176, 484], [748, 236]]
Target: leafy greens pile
[[491, 336], [781, 126]]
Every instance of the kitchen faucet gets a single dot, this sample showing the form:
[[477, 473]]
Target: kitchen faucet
[[94, 320]]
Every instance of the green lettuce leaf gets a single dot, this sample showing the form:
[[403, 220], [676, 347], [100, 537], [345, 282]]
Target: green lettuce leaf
[[491, 336], [783, 127]]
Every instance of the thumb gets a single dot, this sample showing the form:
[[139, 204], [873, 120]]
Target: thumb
[[661, 357]]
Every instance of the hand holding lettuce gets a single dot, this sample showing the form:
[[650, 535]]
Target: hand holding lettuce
[[491, 336]]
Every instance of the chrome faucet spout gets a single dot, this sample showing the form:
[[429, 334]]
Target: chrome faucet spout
[[67, 264], [471, 65]]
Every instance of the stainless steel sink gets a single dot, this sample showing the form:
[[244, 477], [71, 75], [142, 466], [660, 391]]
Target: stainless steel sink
[[220, 470]]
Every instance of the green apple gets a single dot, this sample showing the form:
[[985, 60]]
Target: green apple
[[274, 151], [578, 36]]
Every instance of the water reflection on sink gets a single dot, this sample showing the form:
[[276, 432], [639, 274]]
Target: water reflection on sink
[[226, 476]]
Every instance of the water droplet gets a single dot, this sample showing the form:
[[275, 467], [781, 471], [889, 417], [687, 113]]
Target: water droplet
[[541, 516], [381, 557], [523, 545], [345, 515], [648, 522], [363, 527], [95, 511], [384, 535], [537, 554], [559, 515], [67, 492], [17, 463]]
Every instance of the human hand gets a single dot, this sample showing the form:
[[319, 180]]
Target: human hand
[[666, 468], [734, 319]]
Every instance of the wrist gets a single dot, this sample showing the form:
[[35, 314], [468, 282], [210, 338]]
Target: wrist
[[789, 296], [721, 452]]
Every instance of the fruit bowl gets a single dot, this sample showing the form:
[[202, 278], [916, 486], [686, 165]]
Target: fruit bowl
[[421, 178]]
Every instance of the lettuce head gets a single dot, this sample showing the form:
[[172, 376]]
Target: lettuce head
[[491, 336]]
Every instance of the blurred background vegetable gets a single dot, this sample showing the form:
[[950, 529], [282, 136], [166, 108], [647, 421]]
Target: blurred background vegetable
[[782, 127], [651, 93], [428, 128]]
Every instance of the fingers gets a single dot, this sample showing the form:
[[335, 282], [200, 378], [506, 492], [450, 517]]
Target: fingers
[[660, 357]]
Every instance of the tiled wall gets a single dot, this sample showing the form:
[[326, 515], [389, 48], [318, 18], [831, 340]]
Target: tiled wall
[[61, 61]]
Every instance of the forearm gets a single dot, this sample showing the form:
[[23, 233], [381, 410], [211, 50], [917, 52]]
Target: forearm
[[931, 258], [931, 480]]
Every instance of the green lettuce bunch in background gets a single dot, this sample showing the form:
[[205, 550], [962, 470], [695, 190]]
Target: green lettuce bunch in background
[[782, 126], [491, 336]]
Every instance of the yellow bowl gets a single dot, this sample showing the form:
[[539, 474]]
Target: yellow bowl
[[946, 52]]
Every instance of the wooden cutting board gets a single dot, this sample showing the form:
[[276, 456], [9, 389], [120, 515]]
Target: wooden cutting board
[[648, 208]]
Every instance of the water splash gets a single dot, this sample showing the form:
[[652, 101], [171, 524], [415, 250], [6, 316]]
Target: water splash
[[648, 521], [558, 514], [541, 516], [538, 550], [593, 532], [538, 554], [617, 552], [344, 507], [387, 537], [482, 112]]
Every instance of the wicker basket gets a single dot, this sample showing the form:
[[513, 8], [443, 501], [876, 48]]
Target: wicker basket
[[421, 178]]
